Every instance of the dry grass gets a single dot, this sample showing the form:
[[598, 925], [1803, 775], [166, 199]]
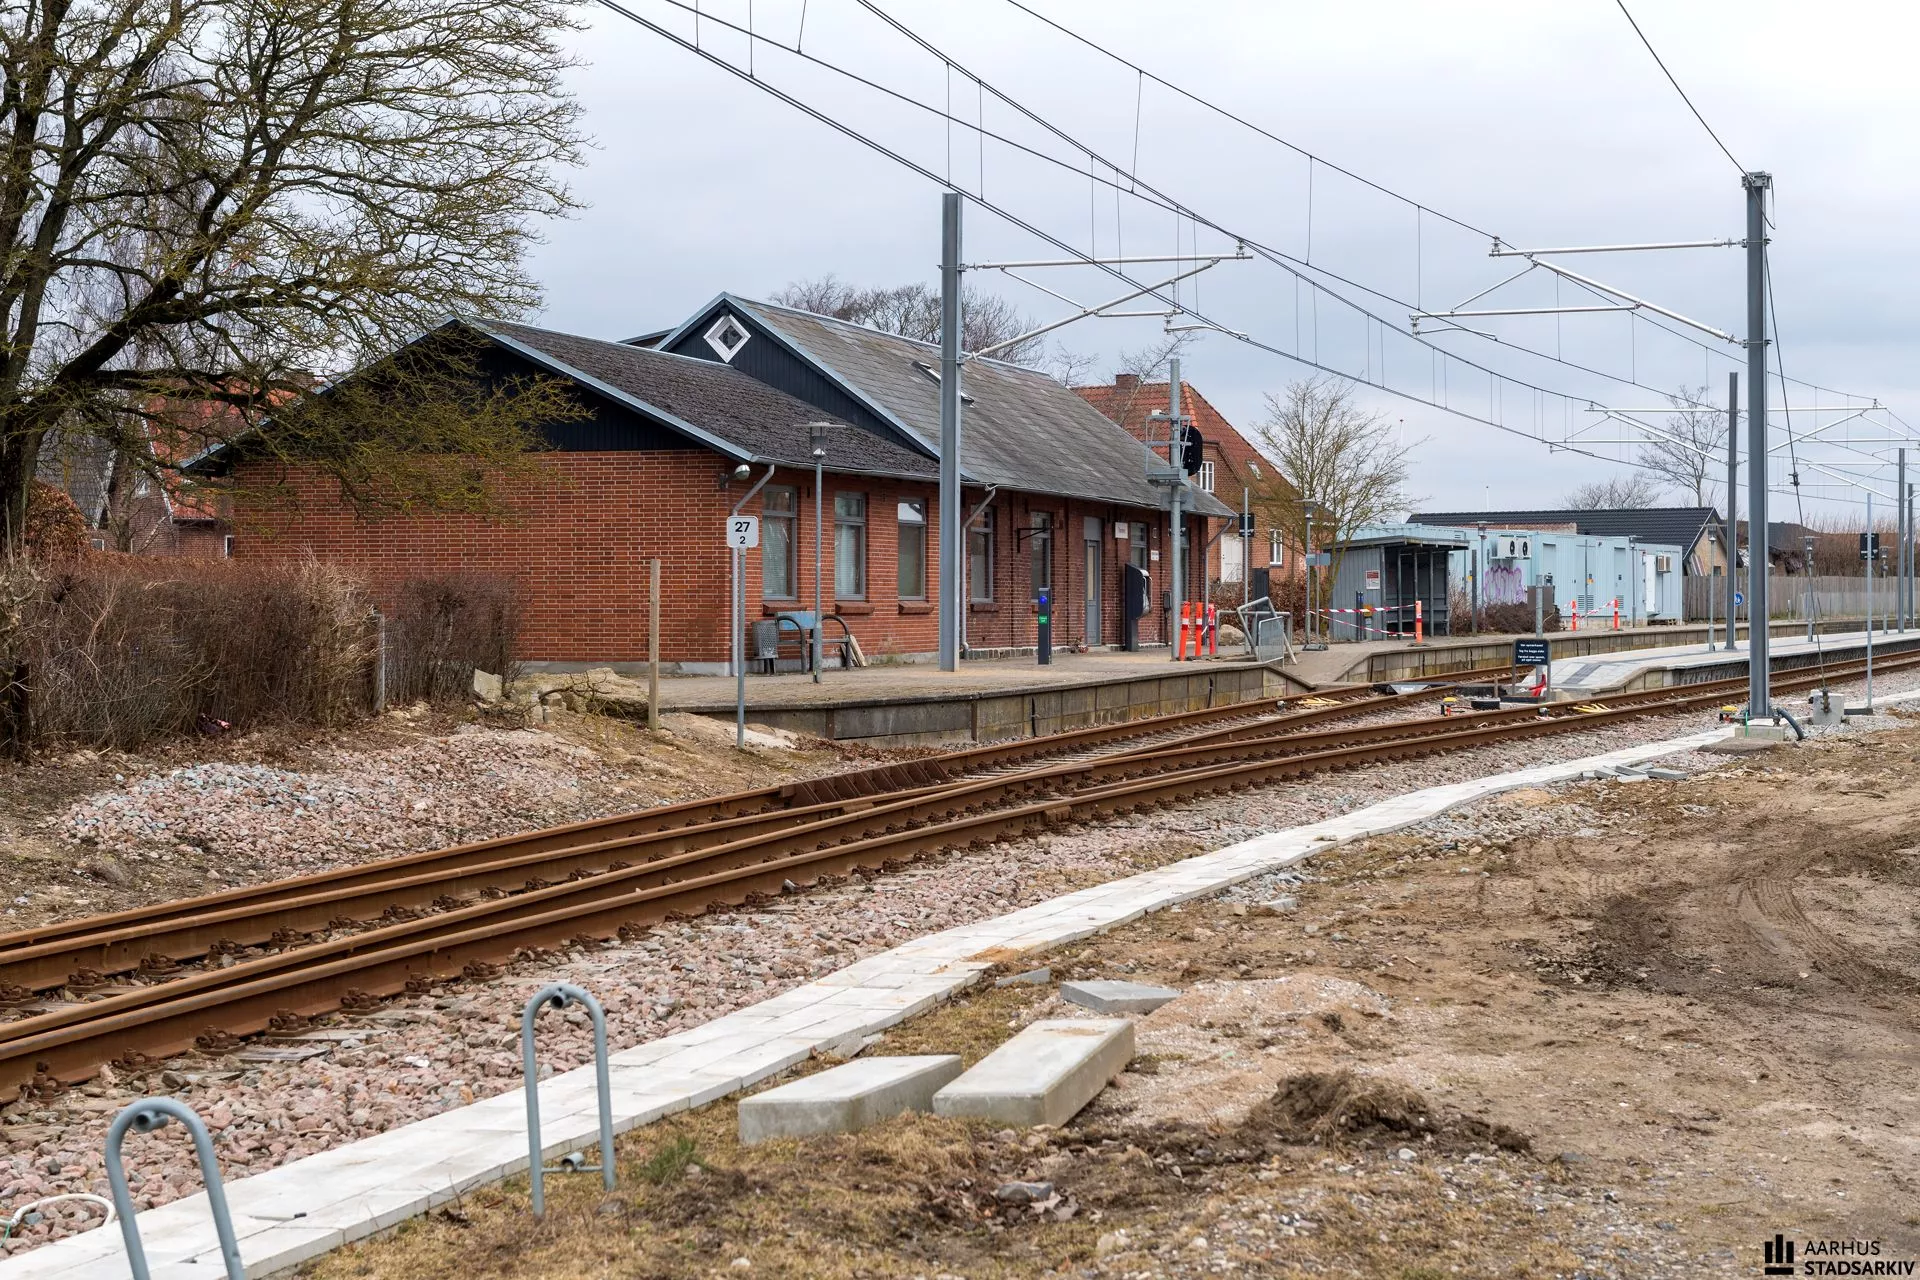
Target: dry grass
[[914, 1198]]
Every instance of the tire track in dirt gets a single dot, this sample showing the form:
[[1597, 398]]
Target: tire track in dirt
[[1771, 911]]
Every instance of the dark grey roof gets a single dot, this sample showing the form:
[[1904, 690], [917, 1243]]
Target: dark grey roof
[[80, 465], [1020, 429], [713, 402], [1668, 526]]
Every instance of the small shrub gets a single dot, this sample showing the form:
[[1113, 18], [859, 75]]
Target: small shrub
[[56, 531], [121, 651], [446, 627]]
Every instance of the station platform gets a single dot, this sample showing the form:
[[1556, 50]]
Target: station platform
[[917, 704], [1594, 675]]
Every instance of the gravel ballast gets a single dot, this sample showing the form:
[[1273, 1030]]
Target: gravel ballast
[[420, 1055]]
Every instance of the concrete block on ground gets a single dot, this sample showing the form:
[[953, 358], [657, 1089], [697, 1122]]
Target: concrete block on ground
[[1739, 747], [847, 1098], [1633, 777], [1044, 1075], [1668, 775], [1031, 978], [1106, 996]]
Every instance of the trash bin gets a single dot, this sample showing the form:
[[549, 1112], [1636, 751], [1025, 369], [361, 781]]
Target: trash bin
[[763, 641]]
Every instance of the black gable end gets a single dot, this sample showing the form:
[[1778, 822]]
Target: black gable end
[[765, 360], [603, 427]]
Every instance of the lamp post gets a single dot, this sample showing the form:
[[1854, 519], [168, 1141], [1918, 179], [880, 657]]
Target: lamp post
[[1636, 576], [1310, 509], [819, 509], [1712, 568], [1806, 545], [1479, 567]]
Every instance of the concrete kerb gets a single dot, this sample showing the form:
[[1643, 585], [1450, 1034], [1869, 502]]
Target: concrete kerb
[[475, 1145]]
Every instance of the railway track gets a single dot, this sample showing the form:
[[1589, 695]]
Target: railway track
[[407, 923], [675, 828]]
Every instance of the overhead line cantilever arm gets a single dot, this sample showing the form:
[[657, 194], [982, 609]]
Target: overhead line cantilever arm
[[1085, 312], [1508, 252], [1624, 296]]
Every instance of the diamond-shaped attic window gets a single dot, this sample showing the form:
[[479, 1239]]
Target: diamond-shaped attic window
[[726, 337]]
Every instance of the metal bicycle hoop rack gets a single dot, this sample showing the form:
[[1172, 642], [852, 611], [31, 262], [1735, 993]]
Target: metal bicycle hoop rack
[[559, 995], [145, 1116]]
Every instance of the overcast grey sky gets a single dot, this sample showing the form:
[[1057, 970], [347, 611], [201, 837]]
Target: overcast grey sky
[[1546, 124]]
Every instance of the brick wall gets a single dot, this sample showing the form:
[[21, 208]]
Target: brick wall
[[579, 539]]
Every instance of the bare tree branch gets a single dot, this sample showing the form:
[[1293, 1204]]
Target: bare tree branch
[[1627, 489], [1336, 459], [913, 311], [1694, 448]]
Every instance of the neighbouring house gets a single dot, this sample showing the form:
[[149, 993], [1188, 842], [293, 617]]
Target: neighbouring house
[[134, 505], [1699, 532], [1230, 470], [674, 430]]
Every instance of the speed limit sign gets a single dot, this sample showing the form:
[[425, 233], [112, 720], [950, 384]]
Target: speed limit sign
[[743, 532]]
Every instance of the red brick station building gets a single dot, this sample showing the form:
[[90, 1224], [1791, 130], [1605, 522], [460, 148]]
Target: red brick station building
[[1056, 491]]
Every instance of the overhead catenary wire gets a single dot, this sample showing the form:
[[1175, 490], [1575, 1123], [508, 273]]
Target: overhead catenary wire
[[1498, 382], [1124, 183], [1040, 234], [1137, 185], [1662, 64]]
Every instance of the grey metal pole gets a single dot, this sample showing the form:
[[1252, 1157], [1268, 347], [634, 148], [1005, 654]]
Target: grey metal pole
[[1308, 552], [1733, 506], [818, 657], [1246, 545], [1712, 636], [739, 657], [1759, 697], [1899, 521], [950, 533], [653, 644], [1871, 548], [1479, 556], [1539, 603], [1813, 603], [1176, 439]]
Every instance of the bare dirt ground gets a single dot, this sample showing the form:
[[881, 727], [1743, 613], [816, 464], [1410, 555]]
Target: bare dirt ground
[[87, 832], [1609, 1029]]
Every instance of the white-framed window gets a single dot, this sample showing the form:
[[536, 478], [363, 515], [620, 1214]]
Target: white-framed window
[[1276, 548], [727, 336], [1206, 476], [226, 546], [779, 513], [980, 558], [850, 546], [911, 535]]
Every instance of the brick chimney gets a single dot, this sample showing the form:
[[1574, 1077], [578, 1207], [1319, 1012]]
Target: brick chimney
[[1126, 382]]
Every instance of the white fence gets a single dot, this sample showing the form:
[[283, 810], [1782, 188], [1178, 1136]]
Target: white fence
[[1788, 594]]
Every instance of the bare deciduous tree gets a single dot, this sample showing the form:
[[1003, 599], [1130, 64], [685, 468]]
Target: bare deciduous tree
[[1627, 489], [213, 200], [913, 311], [1343, 461], [1694, 448]]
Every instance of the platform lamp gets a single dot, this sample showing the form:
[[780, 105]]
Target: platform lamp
[[1479, 568], [1713, 540], [1310, 510], [817, 437]]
